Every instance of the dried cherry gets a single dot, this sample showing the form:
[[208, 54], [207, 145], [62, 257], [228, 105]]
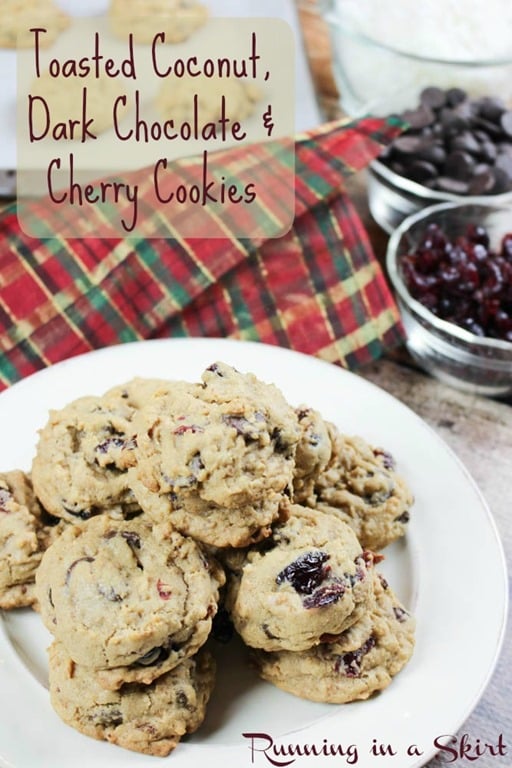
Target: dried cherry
[[463, 280], [306, 573]]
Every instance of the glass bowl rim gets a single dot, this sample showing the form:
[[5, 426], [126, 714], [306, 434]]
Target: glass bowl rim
[[402, 183], [443, 326], [332, 16]]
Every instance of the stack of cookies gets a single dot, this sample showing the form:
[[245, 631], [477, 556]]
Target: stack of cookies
[[26, 531], [150, 487], [130, 605], [323, 623]]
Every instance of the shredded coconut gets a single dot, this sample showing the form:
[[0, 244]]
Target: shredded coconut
[[373, 78], [458, 30]]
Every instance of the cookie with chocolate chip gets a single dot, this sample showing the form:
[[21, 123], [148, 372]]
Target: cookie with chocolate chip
[[144, 718], [217, 458], [313, 452], [361, 661], [84, 452], [25, 533], [310, 579], [129, 599], [360, 485]]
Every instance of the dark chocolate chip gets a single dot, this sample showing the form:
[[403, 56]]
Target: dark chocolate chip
[[466, 142], [398, 168], [408, 145], [421, 171], [268, 633], [459, 165], [74, 564], [491, 108], [188, 481], [280, 445], [419, 118], [154, 656], [481, 168], [482, 182], [50, 521], [132, 538], [488, 151], [378, 497], [107, 715], [453, 186], [491, 129], [433, 97], [455, 96], [109, 594], [432, 153], [465, 110], [182, 700], [501, 181], [82, 514], [130, 512], [196, 463], [452, 122], [133, 541]]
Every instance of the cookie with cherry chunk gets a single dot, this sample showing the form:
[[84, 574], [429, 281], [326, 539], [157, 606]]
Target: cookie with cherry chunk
[[217, 458], [361, 661], [310, 579]]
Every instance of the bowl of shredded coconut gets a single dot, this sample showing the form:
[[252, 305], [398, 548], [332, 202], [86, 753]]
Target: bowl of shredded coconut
[[386, 51]]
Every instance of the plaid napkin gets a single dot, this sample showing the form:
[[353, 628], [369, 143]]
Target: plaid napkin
[[318, 289]]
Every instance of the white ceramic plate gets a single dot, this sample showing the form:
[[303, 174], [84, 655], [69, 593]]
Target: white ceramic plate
[[449, 570]]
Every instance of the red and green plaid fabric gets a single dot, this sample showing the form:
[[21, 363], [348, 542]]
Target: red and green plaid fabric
[[318, 289]]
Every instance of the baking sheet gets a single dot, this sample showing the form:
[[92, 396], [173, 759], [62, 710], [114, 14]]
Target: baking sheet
[[307, 113]]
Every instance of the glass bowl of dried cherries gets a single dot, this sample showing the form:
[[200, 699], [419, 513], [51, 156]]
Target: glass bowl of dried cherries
[[451, 268]]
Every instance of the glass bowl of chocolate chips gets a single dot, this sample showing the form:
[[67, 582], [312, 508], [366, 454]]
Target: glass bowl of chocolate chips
[[456, 147], [451, 267]]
